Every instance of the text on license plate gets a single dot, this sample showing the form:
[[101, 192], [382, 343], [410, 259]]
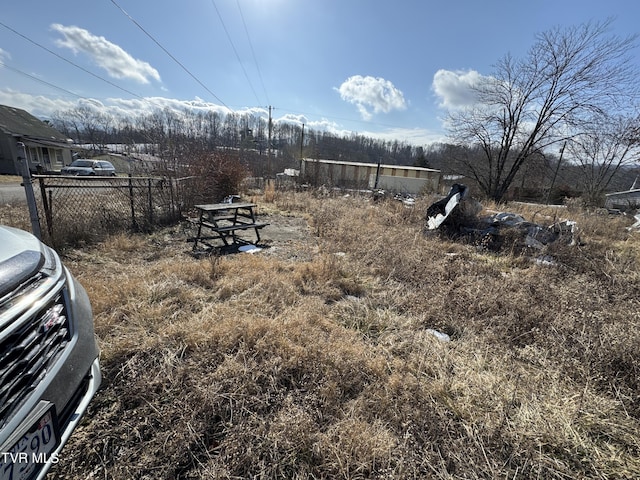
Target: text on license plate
[[33, 448]]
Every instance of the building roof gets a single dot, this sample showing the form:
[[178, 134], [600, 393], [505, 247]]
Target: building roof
[[19, 123], [631, 193], [374, 165]]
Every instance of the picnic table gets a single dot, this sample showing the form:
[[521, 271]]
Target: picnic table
[[222, 221]]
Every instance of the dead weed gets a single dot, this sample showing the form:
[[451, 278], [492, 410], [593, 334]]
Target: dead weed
[[256, 366]]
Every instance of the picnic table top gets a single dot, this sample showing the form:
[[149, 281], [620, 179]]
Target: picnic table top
[[210, 207]]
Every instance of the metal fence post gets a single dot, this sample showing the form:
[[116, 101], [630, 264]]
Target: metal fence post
[[150, 204], [134, 225], [47, 203], [28, 190]]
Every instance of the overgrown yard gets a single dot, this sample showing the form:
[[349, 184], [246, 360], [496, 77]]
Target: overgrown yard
[[316, 357]]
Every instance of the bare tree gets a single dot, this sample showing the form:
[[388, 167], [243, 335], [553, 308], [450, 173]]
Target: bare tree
[[528, 105], [90, 125], [606, 145]]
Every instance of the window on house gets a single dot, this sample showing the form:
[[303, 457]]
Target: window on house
[[33, 155], [59, 158]]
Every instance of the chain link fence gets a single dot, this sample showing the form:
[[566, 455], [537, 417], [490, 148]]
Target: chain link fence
[[75, 210]]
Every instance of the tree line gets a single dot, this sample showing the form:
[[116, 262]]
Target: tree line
[[182, 136], [182, 133], [563, 120]]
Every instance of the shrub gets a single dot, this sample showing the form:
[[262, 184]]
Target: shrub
[[214, 176]]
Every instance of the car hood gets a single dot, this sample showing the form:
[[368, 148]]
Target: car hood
[[21, 256]]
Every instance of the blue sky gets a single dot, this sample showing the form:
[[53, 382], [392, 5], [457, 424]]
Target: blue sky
[[387, 69]]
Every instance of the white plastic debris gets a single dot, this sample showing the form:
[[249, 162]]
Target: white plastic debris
[[545, 261], [507, 219], [249, 249], [635, 226], [435, 221], [443, 337]]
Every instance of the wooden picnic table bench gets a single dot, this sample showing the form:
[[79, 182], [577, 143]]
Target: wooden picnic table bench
[[221, 221]]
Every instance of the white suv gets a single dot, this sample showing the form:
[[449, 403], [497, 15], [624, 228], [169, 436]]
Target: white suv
[[49, 368]]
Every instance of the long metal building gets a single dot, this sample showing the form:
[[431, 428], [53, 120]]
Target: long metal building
[[394, 178]]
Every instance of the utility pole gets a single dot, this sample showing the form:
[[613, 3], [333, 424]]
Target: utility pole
[[301, 141], [375, 186], [269, 145], [555, 174]]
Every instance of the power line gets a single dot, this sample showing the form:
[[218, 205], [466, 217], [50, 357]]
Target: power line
[[234, 49], [168, 53], [253, 53], [329, 117], [70, 62], [44, 82], [141, 97], [4, 65], [172, 57]]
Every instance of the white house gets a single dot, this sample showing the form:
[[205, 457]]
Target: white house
[[24, 136]]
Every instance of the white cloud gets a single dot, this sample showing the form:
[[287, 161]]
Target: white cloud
[[296, 119], [44, 107], [371, 93], [328, 126], [413, 136], [454, 89], [108, 56], [38, 105], [4, 55], [133, 107]]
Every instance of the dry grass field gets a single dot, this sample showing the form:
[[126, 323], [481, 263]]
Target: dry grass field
[[316, 358]]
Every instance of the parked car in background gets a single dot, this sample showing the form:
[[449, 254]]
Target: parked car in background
[[83, 166], [49, 366]]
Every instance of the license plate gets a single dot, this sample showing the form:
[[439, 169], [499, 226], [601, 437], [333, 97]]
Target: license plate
[[33, 445]]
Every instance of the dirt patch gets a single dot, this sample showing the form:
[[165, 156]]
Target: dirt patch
[[285, 237], [288, 237], [284, 229]]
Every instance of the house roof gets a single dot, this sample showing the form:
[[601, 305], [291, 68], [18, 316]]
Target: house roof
[[19, 123]]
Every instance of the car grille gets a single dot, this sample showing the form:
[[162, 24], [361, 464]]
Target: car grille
[[28, 352]]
